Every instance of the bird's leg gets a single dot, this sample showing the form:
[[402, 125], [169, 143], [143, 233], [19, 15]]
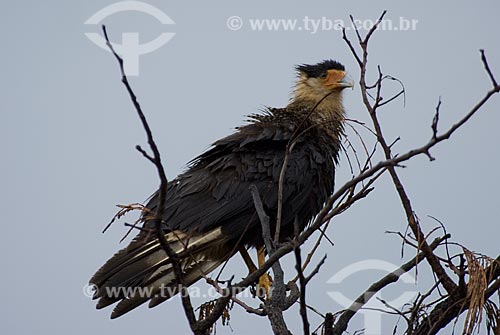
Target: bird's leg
[[248, 260], [265, 281]]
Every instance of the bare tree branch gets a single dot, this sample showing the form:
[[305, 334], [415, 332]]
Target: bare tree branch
[[346, 316], [302, 283], [156, 159], [455, 304], [274, 305], [487, 68], [372, 109]]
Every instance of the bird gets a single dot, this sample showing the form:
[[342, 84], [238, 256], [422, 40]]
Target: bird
[[209, 214]]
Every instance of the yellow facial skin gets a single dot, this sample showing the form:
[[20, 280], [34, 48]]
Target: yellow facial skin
[[336, 79]]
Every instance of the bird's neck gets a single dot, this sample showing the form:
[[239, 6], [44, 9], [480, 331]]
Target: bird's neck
[[329, 113]]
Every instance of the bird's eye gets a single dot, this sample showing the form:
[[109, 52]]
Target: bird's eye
[[323, 75]]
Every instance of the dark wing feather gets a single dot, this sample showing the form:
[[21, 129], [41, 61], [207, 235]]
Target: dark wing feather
[[214, 191], [210, 205]]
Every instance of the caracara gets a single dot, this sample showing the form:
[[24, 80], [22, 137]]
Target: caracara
[[209, 209]]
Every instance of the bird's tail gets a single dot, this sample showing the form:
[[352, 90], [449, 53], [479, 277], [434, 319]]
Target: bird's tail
[[137, 274]]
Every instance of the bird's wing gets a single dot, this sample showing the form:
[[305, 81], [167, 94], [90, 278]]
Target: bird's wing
[[215, 190], [209, 207]]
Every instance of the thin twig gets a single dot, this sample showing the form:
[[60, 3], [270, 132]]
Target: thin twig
[[487, 68], [315, 271], [156, 159], [289, 147]]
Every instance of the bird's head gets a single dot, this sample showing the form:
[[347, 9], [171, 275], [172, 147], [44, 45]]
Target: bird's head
[[317, 81]]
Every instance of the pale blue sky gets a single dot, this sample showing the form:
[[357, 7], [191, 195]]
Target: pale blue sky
[[69, 133]]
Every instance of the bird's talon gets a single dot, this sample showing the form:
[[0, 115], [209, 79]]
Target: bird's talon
[[264, 286]]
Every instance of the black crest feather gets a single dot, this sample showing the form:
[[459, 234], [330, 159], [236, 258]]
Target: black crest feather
[[316, 70]]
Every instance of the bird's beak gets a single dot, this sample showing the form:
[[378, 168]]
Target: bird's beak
[[347, 81], [338, 79]]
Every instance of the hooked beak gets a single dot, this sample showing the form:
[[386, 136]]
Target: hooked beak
[[347, 81], [338, 79]]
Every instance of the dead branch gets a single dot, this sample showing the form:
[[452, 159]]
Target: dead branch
[[456, 304], [274, 305], [346, 316], [156, 160], [446, 281], [302, 283]]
